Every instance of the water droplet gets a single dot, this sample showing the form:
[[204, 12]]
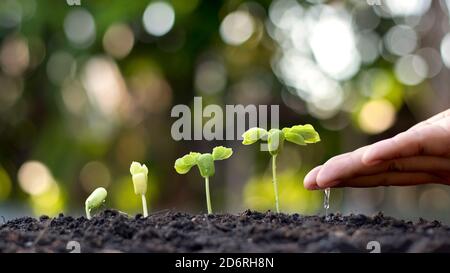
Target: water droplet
[[326, 201]]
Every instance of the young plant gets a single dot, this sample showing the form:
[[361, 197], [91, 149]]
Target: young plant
[[298, 134], [95, 200], [205, 164], [139, 175]]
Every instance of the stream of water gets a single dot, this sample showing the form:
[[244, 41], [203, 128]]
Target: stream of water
[[326, 201]]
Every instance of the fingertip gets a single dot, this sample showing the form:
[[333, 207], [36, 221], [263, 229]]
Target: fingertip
[[311, 186], [326, 178], [309, 181]]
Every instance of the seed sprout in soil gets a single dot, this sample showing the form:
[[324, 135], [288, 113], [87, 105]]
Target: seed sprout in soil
[[95, 200], [205, 164], [298, 134], [139, 175]]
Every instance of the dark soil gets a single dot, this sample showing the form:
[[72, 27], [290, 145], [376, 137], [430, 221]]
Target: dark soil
[[170, 231]]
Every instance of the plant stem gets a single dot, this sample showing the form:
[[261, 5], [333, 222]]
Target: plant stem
[[144, 205], [275, 183], [208, 199], [88, 213]]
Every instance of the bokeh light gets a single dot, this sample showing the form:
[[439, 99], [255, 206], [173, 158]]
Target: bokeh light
[[407, 8], [35, 178], [445, 49], [411, 69], [108, 94], [93, 175], [237, 27], [80, 29], [333, 43], [210, 77], [401, 40], [60, 66], [158, 18], [50, 202], [367, 44], [118, 40], [376, 116], [14, 55], [74, 97]]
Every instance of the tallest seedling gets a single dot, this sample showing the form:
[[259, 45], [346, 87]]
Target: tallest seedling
[[298, 134]]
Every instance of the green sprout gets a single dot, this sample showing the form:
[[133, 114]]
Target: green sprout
[[139, 175], [205, 164], [298, 134], [94, 200]]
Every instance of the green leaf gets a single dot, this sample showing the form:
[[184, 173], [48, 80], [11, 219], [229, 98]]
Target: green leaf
[[307, 131], [275, 141], [295, 138], [221, 153], [184, 164], [136, 168], [252, 135], [205, 164]]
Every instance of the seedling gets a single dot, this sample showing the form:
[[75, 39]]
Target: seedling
[[95, 200], [139, 175], [298, 134], [205, 164]]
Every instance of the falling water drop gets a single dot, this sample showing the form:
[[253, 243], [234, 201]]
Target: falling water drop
[[326, 201]]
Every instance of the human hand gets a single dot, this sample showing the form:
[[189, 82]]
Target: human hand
[[419, 155]]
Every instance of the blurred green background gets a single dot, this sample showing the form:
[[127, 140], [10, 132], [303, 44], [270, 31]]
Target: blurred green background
[[85, 90]]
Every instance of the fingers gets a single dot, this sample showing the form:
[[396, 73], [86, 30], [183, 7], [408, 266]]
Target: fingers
[[433, 139], [428, 138], [393, 179], [340, 167], [339, 170]]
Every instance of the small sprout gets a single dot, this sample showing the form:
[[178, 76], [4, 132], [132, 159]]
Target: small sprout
[[184, 164], [139, 175], [221, 153], [298, 134], [205, 164], [94, 200], [254, 134]]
